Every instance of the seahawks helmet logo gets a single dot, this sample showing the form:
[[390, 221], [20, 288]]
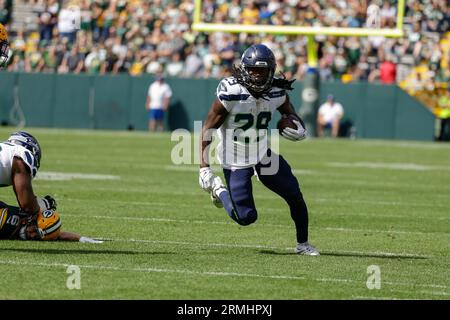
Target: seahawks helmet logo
[[47, 213]]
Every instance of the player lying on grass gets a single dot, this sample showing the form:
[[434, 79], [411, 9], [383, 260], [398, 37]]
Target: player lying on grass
[[34, 218], [241, 114], [16, 225]]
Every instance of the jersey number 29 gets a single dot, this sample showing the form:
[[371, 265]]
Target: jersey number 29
[[262, 122]]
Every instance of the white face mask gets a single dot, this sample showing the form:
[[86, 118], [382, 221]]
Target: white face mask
[[23, 235]]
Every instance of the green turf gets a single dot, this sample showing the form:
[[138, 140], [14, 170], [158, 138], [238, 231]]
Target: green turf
[[381, 203]]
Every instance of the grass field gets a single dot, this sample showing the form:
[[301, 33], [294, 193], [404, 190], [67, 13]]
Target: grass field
[[380, 203]]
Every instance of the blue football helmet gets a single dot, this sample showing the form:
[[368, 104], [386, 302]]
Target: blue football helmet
[[257, 69], [29, 142]]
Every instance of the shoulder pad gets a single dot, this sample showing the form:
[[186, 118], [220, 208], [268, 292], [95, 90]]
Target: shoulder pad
[[27, 158], [230, 90], [276, 92]]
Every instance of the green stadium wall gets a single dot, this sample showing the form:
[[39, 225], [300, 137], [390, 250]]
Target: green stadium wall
[[117, 102]]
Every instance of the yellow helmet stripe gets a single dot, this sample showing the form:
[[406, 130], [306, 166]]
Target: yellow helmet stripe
[[53, 228], [3, 217]]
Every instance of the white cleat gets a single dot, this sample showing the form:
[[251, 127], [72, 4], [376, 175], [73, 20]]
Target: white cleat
[[217, 188], [306, 249]]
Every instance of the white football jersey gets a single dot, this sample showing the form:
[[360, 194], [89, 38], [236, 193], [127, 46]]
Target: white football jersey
[[243, 135], [7, 153]]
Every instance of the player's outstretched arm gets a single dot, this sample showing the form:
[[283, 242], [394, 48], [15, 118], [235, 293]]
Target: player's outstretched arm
[[71, 236]]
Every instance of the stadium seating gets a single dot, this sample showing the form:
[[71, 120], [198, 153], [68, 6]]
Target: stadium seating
[[142, 36]]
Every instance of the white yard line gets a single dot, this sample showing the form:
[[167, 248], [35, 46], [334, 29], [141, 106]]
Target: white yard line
[[60, 176], [268, 209], [163, 270], [388, 166], [376, 298], [435, 293], [385, 203], [189, 168], [213, 273], [201, 244], [157, 219], [150, 219], [381, 254], [380, 231], [269, 196], [402, 144]]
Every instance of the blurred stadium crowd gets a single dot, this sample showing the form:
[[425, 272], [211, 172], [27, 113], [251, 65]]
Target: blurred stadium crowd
[[150, 36]]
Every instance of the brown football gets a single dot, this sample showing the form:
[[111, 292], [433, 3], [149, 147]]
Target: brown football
[[286, 121]]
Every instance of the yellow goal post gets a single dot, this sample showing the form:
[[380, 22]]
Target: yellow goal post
[[397, 32]]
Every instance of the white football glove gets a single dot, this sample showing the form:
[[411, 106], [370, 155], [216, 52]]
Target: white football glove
[[89, 240], [206, 178], [293, 134]]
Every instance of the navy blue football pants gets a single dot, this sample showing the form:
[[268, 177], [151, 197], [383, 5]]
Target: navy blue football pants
[[239, 202]]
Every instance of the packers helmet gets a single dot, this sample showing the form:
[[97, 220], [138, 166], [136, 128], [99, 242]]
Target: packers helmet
[[49, 224], [4, 45]]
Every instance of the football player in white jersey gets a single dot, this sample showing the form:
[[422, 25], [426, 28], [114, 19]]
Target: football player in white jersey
[[241, 114], [35, 218], [20, 158]]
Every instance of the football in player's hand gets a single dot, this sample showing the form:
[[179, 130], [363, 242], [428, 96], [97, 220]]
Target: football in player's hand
[[286, 122]]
